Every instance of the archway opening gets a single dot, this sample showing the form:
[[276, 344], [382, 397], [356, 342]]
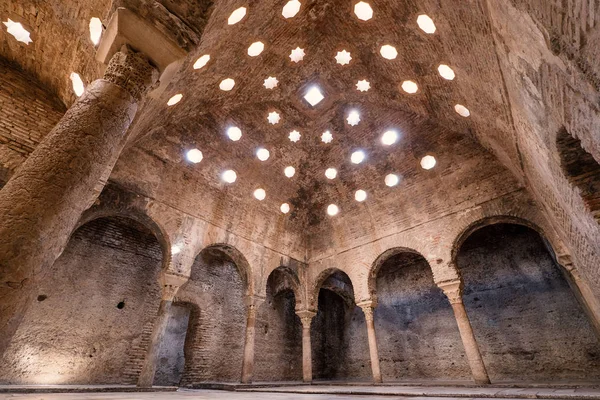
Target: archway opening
[[582, 170], [413, 318], [528, 323], [278, 355], [94, 309]]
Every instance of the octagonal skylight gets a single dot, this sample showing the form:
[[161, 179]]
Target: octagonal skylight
[[229, 176], [273, 117], [291, 8], [326, 137], [391, 180], [388, 52], [202, 61], [357, 157], [234, 133], [255, 49], [389, 137], [360, 195], [297, 55], [426, 23], [314, 96], [175, 99], [271, 82], [263, 154], [462, 110], [332, 210], [363, 11], [260, 194], [289, 171], [285, 208], [331, 173], [18, 31], [194, 156], [343, 57], [363, 85], [95, 30], [428, 162], [446, 72], [78, 86], [227, 84], [353, 118], [410, 87], [237, 16]]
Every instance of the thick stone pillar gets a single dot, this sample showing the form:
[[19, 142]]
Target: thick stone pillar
[[41, 204], [252, 305], [306, 317], [170, 285], [368, 308], [453, 290]]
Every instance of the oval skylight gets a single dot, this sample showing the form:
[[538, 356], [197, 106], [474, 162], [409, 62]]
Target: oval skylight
[[78, 87], [237, 16], [95, 30], [389, 138], [446, 72], [289, 171], [392, 180], [410, 87], [202, 61], [285, 208], [331, 173], [462, 110], [229, 176], [175, 99], [290, 9], [388, 52], [194, 156], [360, 195], [234, 133], [260, 194], [255, 49], [227, 84], [426, 23]]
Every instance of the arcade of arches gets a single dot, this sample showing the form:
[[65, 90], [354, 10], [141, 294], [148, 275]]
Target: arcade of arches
[[197, 192]]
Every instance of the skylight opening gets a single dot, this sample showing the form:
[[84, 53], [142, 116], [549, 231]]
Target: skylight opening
[[363, 85], [174, 100], [426, 24], [255, 49], [273, 117], [194, 156], [410, 87], [237, 16], [294, 136], [297, 55], [263, 154], [462, 110], [291, 8], [260, 194], [357, 157], [360, 196], [332, 210], [428, 162], [388, 52], [271, 82], [95, 30], [392, 180], [389, 138], [77, 83], [343, 57], [229, 176], [289, 171], [326, 137], [18, 31], [227, 84], [353, 118], [175, 249], [331, 173], [446, 72], [202, 61], [363, 11], [285, 208], [234, 133], [314, 96]]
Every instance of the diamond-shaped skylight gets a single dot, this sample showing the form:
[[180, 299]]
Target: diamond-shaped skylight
[[314, 96]]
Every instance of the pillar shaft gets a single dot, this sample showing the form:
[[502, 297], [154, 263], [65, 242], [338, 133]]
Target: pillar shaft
[[306, 317], [454, 293], [374, 353], [248, 363], [41, 204]]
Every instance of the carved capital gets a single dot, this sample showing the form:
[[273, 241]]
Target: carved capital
[[306, 317], [453, 290], [131, 71], [170, 284], [368, 307]]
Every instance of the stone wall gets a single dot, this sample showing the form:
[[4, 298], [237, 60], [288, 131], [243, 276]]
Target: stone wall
[[526, 319], [94, 311]]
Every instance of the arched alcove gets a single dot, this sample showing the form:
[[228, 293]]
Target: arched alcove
[[214, 342], [582, 170], [94, 311], [418, 337], [278, 343], [527, 321]]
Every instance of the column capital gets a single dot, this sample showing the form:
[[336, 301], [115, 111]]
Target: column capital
[[368, 307], [306, 316], [170, 284], [131, 71], [453, 290]]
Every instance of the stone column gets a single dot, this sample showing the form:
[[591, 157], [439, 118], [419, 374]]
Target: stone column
[[306, 317], [41, 204], [170, 285], [453, 290], [368, 308], [248, 363]]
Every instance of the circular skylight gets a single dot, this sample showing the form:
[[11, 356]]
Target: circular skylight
[[332, 209], [78, 87], [331, 173], [290, 9], [446, 72], [428, 162], [363, 86], [294, 136], [363, 11], [227, 84], [360, 195], [271, 82], [260, 194], [392, 180], [263, 154], [410, 87], [95, 30], [273, 117], [388, 52], [326, 137], [229, 176], [297, 55], [426, 23], [389, 137], [255, 49], [289, 171], [194, 156], [357, 157], [234, 133], [314, 96], [237, 16], [175, 99], [462, 110], [353, 118], [343, 57], [202, 61], [285, 208]]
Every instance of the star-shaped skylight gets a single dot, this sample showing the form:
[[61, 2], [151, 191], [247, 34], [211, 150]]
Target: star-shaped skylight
[[326, 137], [294, 136], [363, 85], [18, 31], [274, 117], [271, 82], [343, 57], [353, 118], [297, 55]]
